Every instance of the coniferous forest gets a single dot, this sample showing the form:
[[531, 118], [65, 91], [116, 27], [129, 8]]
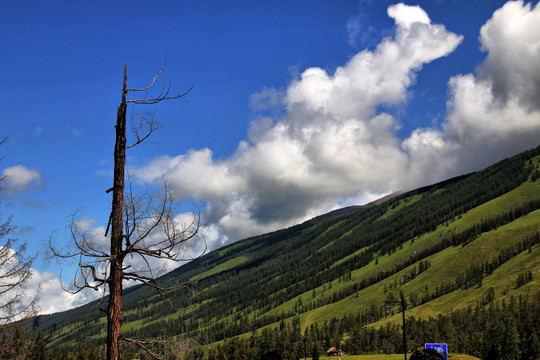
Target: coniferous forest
[[463, 253]]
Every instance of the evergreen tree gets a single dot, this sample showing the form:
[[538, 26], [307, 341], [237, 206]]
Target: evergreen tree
[[315, 352]]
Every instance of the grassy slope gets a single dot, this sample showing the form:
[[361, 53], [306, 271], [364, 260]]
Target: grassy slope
[[445, 265], [227, 265]]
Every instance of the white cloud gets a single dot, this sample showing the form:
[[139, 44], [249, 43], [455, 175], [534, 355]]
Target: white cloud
[[219, 180], [354, 29], [372, 78], [267, 99], [407, 16], [430, 158], [94, 235], [329, 147], [496, 112], [19, 179], [511, 39], [45, 286], [53, 298], [53, 295]]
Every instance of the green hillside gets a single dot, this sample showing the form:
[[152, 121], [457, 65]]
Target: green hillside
[[455, 249]]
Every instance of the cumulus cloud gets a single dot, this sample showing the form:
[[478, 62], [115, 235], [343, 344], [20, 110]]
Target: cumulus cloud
[[267, 99], [219, 180], [512, 68], [329, 148], [372, 78], [332, 146], [19, 179], [407, 16], [52, 296], [495, 112], [45, 287], [94, 235]]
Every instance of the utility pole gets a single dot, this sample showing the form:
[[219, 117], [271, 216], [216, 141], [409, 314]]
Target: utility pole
[[387, 308]]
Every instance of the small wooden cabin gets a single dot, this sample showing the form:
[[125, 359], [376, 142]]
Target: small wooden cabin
[[334, 351]]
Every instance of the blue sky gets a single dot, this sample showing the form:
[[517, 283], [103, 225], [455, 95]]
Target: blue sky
[[298, 107]]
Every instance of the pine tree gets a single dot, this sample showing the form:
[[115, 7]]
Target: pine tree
[[315, 352]]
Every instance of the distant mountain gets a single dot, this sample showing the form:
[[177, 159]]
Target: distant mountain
[[470, 241], [349, 209]]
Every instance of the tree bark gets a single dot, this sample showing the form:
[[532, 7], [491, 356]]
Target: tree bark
[[114, 314]]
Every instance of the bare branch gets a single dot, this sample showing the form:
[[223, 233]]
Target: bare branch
[[100, 281], [146, 126], [154, 79], [164, 95], [144, 344]]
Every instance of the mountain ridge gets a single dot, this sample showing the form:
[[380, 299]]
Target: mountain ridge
[[349, 262]]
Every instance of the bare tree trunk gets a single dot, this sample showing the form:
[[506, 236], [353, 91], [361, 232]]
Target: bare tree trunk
[[114, 315], [129, 228]]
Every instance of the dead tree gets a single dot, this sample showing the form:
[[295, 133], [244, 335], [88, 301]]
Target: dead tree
[[15, 302], [15, 271], [142, 227]]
